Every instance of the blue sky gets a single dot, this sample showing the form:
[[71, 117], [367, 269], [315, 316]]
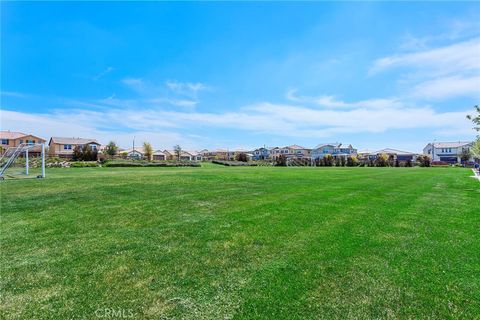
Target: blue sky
[[242, 75]]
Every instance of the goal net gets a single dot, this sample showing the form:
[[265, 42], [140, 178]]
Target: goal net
[[23, 161]]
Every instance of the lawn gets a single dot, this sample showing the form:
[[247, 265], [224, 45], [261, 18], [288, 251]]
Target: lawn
[[241, 242]]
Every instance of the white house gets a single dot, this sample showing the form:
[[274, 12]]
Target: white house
[[447, 151]]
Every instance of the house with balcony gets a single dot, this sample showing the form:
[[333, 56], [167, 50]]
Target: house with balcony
[[449, 152], [63, 147], [260, 154], [292, 151], [9, 139], [334, 149]]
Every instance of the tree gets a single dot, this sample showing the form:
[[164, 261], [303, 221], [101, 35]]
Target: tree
[[148, 151], [475, 118], [77, 153], [465, 155], [352, 161], [476, 149], [328, 160], [424, 161], [242, 157], [88, 153], [382, 160], [178, 151], [397, 163], [111, 149], [281, 161]]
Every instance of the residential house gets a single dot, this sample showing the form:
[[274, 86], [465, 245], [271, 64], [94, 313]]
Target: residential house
[[450, 152], [136, 153], [293, 151], [159, 155], [184, 155], [334, 149], [10, 139], [219, 154], [63, 147], [394, 155], [260, 154]]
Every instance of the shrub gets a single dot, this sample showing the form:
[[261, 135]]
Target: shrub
[[424, 161], [352, 161], [382, 160], [241, 157], [408, 163], [328, 160], [281, 161], [230, 163], [83, 164], [116, 164]]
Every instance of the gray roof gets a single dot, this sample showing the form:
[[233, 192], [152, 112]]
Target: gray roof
[[63, 140], [335, 145], [451, 144], [393, 151]]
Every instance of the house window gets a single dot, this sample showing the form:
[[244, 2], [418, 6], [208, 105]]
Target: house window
[[21, 141], [67, 147], [30, 141], [94, 147], [4, 141]]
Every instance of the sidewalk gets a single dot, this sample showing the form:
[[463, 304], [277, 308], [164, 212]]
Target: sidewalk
[[476, 175]]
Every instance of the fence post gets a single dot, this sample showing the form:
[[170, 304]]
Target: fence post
[[26, 162], [43, 160]]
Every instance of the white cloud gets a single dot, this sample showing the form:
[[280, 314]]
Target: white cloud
[[103, 73], [447, 87], [181, 94], [332, 102], [163, 127], [458, 57], [437, 74]]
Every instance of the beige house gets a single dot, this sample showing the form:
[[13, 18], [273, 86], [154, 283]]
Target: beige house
[[10, 139], [63, 147]]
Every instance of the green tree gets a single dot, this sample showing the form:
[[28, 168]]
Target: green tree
[[77, 153], [352, 161], [382, 160], [475, 118], [465, 155], [178, 151], [281, 161], [242, 157], [476, 149], [148, 151], [111, 149]]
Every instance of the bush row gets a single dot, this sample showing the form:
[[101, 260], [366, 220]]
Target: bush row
[[114, 164], [234, 163]]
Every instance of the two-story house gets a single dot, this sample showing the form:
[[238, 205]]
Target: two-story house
[[292, 151], [450, 152], [10, 139], [260, 154], [63, 147], [334, 149]]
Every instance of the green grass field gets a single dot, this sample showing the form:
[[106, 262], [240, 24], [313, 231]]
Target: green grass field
[[242, 243]]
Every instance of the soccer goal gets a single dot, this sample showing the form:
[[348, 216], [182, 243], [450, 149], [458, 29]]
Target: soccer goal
[[23, 161]]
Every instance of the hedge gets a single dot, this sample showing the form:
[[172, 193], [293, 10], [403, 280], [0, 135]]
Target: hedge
[[234, 163], [114, 164]]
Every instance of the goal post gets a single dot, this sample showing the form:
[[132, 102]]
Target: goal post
[[22, 161]]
